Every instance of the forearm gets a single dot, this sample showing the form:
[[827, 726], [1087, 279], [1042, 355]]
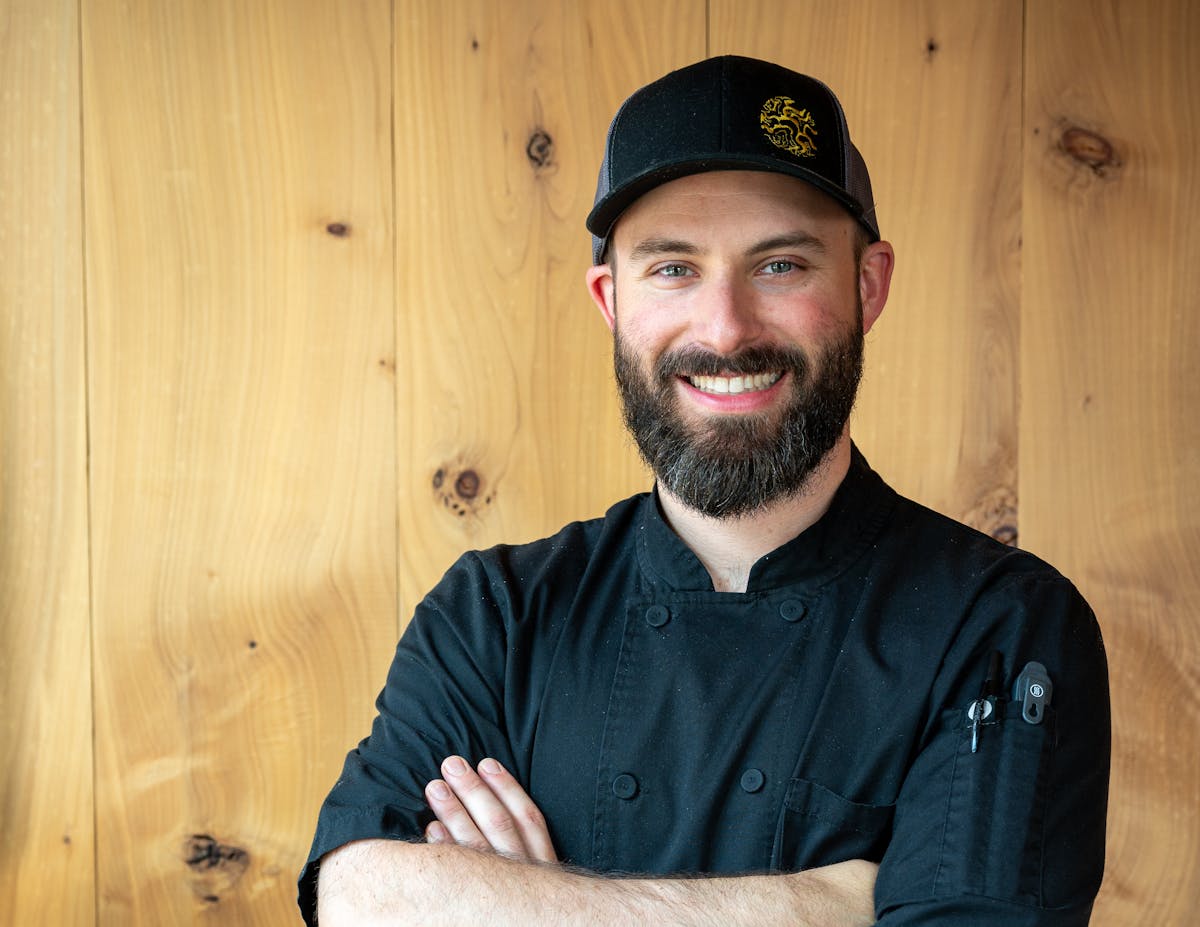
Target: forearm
[[393, 883]]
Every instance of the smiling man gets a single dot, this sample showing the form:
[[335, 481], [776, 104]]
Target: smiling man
[[770, 691]]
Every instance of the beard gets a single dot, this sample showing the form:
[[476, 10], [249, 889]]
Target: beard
[[726, 466]]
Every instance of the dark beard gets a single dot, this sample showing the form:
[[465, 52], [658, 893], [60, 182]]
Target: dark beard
[[731, 465]]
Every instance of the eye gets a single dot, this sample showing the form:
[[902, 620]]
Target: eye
[[672, 270], [780, 266]]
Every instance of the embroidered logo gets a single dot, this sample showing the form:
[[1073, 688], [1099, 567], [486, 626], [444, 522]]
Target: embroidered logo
[[789, 128]]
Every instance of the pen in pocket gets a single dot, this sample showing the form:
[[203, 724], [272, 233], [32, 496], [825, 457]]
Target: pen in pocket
[[985, 706]]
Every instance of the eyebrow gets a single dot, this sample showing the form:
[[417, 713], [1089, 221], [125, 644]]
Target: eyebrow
[[791, 240], [651, 247]]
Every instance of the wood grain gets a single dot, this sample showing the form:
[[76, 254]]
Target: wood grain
[[46, 859], [507, 417], [241, 344], [932, 97], [1110, 438]]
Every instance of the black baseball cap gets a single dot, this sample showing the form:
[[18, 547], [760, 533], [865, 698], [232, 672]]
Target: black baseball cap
[[729, 113]]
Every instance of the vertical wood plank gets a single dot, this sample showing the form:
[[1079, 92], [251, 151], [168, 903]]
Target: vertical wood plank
[[932, 97], [1110, 434], [46, 854], [239, 279], [509, 424]]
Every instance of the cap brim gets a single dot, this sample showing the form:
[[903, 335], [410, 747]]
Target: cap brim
[[604, 215]]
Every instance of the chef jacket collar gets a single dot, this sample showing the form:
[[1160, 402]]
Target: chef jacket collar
[[817, 554]]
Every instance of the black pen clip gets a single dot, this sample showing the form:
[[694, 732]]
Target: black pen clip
[[1033, 690]]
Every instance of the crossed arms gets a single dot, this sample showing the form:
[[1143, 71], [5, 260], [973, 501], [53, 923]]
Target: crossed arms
[[488, 858]]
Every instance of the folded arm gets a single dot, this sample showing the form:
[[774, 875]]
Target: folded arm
[[489, 859]]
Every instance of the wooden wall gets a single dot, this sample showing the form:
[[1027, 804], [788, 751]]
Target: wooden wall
[[47, 857], [291, 312]]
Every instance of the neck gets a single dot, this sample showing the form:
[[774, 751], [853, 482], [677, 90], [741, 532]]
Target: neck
[[729, 547]]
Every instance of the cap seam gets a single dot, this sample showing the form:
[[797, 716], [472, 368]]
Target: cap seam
[[724, 104], [612, 134], [843, 139]]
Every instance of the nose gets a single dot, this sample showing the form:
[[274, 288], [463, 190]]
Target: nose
[[728, 317]]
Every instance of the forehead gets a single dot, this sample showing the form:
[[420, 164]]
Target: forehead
[[730, 205]]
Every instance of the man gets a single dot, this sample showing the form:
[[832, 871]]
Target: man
[[822, 702]]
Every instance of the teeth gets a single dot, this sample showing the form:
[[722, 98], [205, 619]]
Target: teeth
[[742, 384]]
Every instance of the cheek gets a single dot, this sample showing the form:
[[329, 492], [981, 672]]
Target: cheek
[[648, 327], [643, 342], [639, 354], [825, 317]]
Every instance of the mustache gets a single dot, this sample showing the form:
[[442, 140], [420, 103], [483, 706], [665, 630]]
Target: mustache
[[696, 362]]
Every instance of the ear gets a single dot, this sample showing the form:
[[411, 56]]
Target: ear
[[875, 280], [600, 288]]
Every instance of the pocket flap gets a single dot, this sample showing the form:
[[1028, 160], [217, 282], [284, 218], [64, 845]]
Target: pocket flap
[[819, 827]]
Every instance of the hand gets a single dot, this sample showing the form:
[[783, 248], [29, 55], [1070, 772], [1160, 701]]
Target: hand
[[487, 810]]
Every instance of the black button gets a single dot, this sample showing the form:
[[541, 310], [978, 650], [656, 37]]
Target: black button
[[792, 609], [625, 786], [657, 616], [753, 779]]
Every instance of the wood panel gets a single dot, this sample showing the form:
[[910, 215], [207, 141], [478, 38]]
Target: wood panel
[[269, 366], [1110, 437], [46, 858], [238, 204], [932, 97], [508, 420]]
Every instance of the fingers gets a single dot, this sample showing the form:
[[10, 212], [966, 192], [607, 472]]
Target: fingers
[[486, 810], [472, 815], [528, 818], [436, 833]]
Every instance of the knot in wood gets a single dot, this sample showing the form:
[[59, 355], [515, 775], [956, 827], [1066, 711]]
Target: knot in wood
[[1090, 149], [460, 490], [467, 484], [338, 229], [996, 514], [214, 867], [540, 149], [1005, 534], [204, 852]]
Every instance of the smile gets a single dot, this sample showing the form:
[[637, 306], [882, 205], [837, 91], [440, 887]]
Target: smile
[[733, 385]]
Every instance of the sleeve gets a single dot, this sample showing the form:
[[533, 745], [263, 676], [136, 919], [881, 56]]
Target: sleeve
[[443, 695], [1011, 833]]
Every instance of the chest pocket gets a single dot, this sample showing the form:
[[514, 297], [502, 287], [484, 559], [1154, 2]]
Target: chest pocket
[[818, 827]]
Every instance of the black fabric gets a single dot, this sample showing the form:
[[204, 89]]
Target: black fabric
[[663, 727]]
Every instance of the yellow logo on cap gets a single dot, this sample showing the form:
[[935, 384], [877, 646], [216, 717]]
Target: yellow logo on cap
[[789, 128]]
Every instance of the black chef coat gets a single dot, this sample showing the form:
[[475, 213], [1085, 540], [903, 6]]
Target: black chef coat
[[821, 715]]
